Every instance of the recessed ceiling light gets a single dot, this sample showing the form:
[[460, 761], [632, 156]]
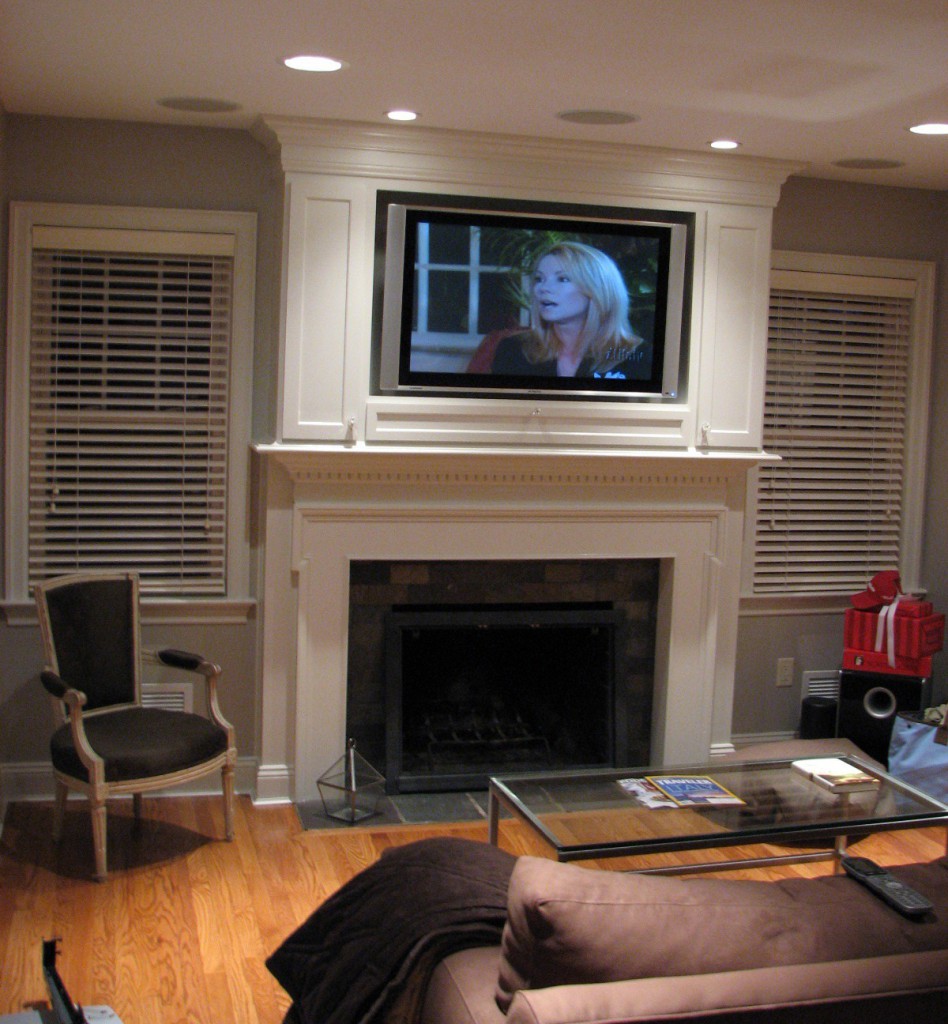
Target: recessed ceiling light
[[932, 128], [597, 117], [311, 62], [198, 105], [724, 144], [401, 115]]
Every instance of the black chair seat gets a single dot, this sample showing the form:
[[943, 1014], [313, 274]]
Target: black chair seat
[[138, 743]]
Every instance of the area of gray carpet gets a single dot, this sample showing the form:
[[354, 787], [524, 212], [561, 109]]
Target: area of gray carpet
[[404, 809]]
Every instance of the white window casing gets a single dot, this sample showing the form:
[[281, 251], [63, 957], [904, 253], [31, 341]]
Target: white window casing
[[846, 410], [129, 373]]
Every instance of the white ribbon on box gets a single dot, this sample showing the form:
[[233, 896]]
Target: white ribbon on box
[[885, 629]]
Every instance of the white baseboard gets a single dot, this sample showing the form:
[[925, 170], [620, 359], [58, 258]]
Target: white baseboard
[[33, 781], [749, 739], [273, 784]]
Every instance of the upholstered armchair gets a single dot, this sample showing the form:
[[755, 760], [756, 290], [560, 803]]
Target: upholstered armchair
[[109, 744]]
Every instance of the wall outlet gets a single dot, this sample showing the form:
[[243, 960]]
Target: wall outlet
[[785, 671]]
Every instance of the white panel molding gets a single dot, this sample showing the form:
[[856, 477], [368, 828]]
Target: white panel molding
[[333, 173]]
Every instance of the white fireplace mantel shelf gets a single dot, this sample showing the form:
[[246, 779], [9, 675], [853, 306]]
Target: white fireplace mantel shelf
[[361, 464]]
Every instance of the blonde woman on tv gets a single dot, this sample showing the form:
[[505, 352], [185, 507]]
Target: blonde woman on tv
[[579, 322]]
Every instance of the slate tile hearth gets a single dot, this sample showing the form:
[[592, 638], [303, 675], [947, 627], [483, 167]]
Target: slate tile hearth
[[404, 809]]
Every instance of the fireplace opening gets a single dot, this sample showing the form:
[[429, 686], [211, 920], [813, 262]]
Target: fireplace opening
[[479, 690], [379, 589]]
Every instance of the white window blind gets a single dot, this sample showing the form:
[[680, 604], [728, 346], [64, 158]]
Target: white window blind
[[830, 513], [128, 409]]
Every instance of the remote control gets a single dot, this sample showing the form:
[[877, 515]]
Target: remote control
[[897, 894]]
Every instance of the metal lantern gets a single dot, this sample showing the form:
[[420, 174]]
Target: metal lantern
[[351, 789]]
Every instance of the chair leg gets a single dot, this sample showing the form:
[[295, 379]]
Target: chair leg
[[99, 837], [59, 812], [138, 801], [227, 780]]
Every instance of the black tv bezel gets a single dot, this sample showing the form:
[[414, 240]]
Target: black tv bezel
[[394, 288]]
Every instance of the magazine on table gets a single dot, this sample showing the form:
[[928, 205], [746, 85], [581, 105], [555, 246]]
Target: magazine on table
[[680, 791], [646, 793]]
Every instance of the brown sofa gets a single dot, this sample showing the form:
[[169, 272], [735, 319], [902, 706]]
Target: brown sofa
[[449, 931], [590, 946], [615, 949]]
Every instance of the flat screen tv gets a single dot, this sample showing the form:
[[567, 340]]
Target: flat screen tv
[[491, 298]]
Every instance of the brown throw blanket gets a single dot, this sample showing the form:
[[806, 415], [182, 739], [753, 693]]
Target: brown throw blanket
[[373, 944]]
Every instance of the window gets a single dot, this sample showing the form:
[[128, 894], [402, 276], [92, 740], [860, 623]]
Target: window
[[466, 277], [846, 410], [128, 338]]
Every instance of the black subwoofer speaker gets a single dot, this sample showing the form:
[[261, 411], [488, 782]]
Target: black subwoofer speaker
[[869, 702]]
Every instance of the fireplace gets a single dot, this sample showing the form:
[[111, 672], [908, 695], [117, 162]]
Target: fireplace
[[339, 514], [491, 640], [476, 691]]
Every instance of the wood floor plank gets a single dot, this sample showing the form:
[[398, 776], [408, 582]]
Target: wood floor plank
[[180, 931]]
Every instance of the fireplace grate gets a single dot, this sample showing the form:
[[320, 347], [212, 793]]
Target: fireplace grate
[[472, 691], [478, 733]]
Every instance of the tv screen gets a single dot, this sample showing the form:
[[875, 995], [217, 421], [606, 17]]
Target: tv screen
[[527, 299]]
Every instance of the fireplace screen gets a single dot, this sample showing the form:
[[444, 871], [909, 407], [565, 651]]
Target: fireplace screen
[[475, 691]]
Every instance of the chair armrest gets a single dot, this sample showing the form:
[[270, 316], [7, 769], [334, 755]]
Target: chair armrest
[[75, 700], [56, 687], [188, 661], [211, 672]]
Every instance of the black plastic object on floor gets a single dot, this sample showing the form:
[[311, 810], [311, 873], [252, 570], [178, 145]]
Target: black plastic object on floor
[[818, 718]]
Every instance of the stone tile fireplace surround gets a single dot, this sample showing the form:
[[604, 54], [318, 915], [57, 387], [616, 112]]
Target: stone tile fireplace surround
[[500, 661], [355, 475]]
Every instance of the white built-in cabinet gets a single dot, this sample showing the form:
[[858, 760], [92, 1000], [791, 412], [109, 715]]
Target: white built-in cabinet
[[332, 175]]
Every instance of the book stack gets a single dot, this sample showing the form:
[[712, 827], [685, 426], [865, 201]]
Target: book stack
[[836, 775]]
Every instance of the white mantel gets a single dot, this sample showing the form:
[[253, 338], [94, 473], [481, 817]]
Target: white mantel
[[330, 506], [353, 475]]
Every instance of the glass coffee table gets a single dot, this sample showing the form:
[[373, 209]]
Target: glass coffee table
[[598, 813]]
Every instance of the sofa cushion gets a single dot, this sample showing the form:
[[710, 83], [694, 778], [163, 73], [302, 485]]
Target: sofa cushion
[[572, 925], [902, 989]]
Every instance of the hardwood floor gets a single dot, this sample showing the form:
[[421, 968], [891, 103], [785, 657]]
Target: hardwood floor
[[181, 929]]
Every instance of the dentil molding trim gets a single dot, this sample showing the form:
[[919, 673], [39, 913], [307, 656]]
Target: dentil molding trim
[[361, 467]]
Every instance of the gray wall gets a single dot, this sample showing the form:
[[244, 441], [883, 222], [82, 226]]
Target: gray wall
[[63, 160], [74, 161], [857, 220]]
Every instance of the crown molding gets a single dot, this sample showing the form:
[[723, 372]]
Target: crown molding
[[482, 159]]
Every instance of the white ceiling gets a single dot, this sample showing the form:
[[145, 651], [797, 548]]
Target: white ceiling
[[816, 81]]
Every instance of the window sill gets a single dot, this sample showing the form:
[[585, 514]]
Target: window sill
[[210, 612], [793, 604]]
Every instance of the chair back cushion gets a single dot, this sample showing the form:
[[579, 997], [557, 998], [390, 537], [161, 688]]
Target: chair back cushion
[[94, 634]]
